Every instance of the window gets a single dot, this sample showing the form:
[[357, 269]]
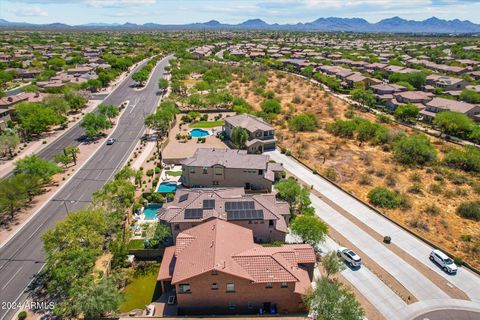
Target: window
[[176, 227], [230, 287], [205, 170], [184, 288], [215, 183], [269, 285], [214, 286], [284, 285], [260, 172], [218, 171], [192, 170], [270, 223]]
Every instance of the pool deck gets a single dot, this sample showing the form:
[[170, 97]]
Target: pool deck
[[176, 150]]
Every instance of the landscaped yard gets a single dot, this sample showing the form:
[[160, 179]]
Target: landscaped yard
[[141, 290], [207, 124]]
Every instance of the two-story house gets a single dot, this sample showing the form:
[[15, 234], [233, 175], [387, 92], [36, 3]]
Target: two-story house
[[216, 268], [230, 168], [261, 135], [266, 216], [447, 83]]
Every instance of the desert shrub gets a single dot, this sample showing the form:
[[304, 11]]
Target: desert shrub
[[414, 150], [415, 188], [342, 128], [467, 159], [432, 210], [149, 172], [469, 210], [330, 174], [303, 122], [384, 198], [435, 188], [364, 180], [390, 180]]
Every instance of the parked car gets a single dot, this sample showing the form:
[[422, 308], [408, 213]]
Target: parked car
[[110, 141], [350, 257], [444, 261]]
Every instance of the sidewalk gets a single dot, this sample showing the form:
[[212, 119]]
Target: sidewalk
[[464, 280]]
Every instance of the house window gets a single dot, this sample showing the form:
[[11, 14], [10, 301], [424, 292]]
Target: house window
[[260, 172], [269, 285], [192, 170], [214, 286], [284, 285], [230, 287], [176, 227], [184, 288], [205, 170], [218, 171], [270, 223]]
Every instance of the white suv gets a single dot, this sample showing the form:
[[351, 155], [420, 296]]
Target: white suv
[[350, 257], [443, 261]]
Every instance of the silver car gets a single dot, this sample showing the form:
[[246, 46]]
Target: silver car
[[350, 257], [444, 261]]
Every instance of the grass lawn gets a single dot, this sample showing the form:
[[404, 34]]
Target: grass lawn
[[207, 124], [136, 244], [174, 173], [142, 288]]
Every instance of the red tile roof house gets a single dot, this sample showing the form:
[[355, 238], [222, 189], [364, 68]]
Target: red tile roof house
[[216, 268], [230, 168], [262, 213], [261, 135]]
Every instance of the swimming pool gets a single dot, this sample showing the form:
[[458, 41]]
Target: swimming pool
[[167, 187], [199, 133], [150, 211]]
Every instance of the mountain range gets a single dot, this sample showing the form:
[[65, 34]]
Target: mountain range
[[391, 25]]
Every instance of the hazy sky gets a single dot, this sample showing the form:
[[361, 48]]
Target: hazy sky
[[230, 11]]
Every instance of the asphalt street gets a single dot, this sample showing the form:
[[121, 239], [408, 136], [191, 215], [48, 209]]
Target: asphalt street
[[23, 256]]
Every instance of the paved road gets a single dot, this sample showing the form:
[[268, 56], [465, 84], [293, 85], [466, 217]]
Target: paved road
[[22, 257], [427, 292]]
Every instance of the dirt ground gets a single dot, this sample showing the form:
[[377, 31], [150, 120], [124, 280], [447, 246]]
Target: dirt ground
[[360, 168]]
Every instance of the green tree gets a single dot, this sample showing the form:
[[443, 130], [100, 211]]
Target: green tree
[[63, 158], [97, 299], [140, 76], [93, 85], [163, 84], [117, 195], [470, 96], [75, 101], [467, 158], [454, 123], [73, 152], [9, 141], [406, 113], [303, 122], [36, 118], [271, 106], [366, 130], [35, 166], [475, 135], [342, 128], [416, 79], [31, 184], [58, 104], [469, 210], [94, 124], [310, 228], [365, 97], [12, 196], [239, 137], [332, 264], [108, 110], [414, 150], [330, 300]]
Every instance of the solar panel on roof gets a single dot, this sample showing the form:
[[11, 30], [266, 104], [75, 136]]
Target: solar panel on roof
[[195, 213], [183, 197], [239, 205], [245, 214], [208, 204]]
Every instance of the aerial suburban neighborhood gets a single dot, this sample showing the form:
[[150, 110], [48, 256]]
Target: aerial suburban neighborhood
[[302, 168]]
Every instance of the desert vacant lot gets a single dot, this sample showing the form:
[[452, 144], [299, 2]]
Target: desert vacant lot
[[433, 192]]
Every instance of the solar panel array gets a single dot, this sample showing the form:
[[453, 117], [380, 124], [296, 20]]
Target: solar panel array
[[239, 205], [248, 214], [193, 213], [209, 204], [183, 197]]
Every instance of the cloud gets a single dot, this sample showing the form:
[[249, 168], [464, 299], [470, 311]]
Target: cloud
[[94, 3], [31, 12]]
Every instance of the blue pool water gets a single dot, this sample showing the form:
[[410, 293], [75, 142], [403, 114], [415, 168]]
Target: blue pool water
[[150, 211], [167, 187], [199, 133]]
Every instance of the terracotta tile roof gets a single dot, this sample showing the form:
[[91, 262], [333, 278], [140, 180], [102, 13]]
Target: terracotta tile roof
[[272, 209], [228, 248]]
